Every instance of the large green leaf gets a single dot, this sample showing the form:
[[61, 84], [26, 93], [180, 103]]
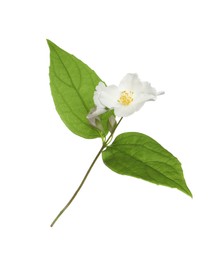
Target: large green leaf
[[140, 156], [72, 85]]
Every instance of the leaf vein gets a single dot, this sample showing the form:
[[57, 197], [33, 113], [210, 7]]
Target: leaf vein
[[59, 78], [151, 167], [80, 97], [146, 148], [73, 113]]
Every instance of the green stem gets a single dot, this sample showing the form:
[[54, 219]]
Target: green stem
[[80, 186], [108, 141], [85, 177]]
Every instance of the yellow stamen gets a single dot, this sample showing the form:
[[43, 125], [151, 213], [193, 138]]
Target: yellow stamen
[[126, 98]]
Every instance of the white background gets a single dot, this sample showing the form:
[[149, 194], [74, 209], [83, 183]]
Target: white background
[[175, 45]]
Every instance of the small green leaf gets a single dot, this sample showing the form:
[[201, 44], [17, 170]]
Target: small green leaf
[[72, 85], [140, 156]]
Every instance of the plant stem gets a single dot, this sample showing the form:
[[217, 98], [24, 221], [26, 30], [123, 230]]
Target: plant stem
[[80, 186], [85, 177]]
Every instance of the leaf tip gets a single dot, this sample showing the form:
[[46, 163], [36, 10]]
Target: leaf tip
[[49, 42], [188, 192]]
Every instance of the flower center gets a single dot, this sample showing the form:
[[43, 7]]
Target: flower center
[[126, 97]]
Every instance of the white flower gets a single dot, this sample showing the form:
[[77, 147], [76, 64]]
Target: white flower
[[128, 97]]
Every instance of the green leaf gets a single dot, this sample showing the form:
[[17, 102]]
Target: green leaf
[[72, 85], [140, 156]]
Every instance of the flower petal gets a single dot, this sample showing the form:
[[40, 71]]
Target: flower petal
[[96, 112], [149, 93], [109, 96], [123, 111], [99, 89], [130, 82], [160, 93]]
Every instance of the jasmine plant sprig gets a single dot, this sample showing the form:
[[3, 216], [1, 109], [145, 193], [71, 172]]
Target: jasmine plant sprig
[[89, 108]]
